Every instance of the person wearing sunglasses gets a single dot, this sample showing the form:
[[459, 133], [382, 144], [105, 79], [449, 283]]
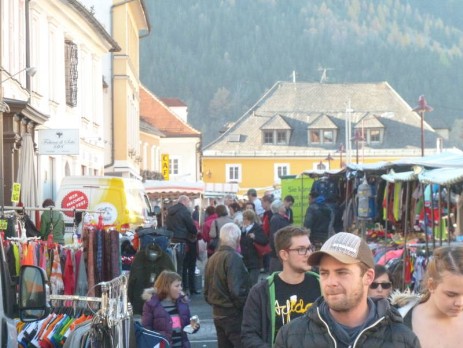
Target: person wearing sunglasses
[[284, 295], [382, 285]]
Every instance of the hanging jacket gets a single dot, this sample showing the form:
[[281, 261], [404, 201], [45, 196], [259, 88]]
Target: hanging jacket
[[52, 218], [143, 273]]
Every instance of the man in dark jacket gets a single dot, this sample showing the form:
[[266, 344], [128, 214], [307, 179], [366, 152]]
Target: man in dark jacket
[[226, 285], [284, 296], [180, 222], [317, 219], [345, 316]]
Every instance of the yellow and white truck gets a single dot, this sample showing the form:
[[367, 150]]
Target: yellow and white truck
[[122, 202]]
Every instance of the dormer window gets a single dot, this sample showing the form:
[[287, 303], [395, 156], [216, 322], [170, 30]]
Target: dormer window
[[268, 137], [322, 136], [322, 130], [372, 129], [374, 136], [276, 131], [276, 137], [282, 137]]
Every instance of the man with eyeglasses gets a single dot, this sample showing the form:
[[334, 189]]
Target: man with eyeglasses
[[284, 295], [345, 316]]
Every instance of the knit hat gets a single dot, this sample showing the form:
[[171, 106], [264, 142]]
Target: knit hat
[[346, 248]]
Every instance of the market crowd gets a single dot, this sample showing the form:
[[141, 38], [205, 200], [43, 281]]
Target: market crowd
[[322, 287]]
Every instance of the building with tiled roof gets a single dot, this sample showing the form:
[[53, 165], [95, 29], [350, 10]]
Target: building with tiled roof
[[177, 106], [297, 126], [179, 140]]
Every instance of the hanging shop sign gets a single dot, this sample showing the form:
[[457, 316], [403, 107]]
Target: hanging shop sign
[[58, 141], [165, 166]]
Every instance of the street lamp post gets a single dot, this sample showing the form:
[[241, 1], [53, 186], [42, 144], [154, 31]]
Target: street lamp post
[[421, 109], [340, 150], [329, 159], [357, 138]]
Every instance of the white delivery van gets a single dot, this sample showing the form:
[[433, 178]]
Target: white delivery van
[[122, 202]]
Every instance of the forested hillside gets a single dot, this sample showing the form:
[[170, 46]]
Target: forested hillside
[[220, 56]]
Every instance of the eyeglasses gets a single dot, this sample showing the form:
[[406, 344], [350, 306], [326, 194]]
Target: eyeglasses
[[302, 250], [385, 285]]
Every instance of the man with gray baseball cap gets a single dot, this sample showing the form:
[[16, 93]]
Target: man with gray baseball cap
[[345, 316]]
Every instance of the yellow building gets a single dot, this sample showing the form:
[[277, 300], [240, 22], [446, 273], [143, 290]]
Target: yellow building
[[303, 126], [129, 24]]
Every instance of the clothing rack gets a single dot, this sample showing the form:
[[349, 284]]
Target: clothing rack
[[114, 304]]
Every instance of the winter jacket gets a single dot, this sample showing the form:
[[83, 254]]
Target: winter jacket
[[180, 222], [156, 318], [141, 273], [216, 226], [317, 220], [312, 330], [258, 327], [277, 222], [206, 228], [55, 218], [405, 302], [251, 258], [226, 282]]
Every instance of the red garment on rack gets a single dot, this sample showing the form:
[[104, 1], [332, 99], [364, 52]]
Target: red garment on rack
[[68, 275]]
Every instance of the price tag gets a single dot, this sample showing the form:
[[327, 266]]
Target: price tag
[[3, 224], [16, 192]]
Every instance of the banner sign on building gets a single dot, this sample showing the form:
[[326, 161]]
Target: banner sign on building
[[58, 141], [165, 166]]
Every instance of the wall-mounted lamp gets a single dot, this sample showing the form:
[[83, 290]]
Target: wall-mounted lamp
[[208, 173], [132, 152], [138, 159], [31, 71]]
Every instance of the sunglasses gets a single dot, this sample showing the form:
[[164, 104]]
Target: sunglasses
[[385, 285]]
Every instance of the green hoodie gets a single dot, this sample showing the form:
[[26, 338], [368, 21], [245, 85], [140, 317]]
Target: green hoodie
[[52, 218]]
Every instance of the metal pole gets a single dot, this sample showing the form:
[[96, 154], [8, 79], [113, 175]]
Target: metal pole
[[422, 132]]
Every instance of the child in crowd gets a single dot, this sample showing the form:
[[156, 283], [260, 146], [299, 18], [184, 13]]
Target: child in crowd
[[166, 310], [436, 316]]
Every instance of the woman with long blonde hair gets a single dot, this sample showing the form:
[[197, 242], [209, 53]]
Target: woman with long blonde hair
[[436, 316]]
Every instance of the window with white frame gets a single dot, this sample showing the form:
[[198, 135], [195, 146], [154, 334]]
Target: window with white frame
[[280, 169], [279, 137], [322, 136], [233, 172], [268, 137], [282, 137], [173, 166], [374, 135]]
